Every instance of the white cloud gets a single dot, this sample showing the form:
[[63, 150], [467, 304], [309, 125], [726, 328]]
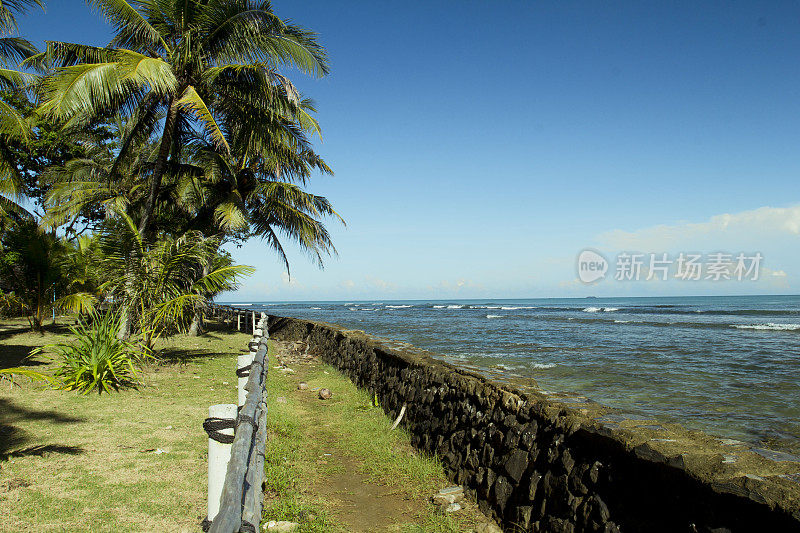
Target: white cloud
[[290, 281], [761, 223], [380, 284], [456, 286]]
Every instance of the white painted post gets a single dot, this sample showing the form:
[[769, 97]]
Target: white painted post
[[218, 456], [238, 322], [242, 362], [254, 322], [258, 333]]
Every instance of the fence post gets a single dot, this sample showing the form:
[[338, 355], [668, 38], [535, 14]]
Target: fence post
[[244, 364], [219, 452], [238, 322]]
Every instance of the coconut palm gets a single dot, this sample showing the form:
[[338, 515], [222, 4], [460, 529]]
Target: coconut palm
[[40, 273], [256, 191], [228, 200], [96, 181], [205, 65], [13, 124], [162, 284]]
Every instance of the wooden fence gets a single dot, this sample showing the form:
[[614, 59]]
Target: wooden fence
[[235, 504]]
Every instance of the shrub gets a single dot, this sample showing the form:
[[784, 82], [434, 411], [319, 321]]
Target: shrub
[[95, 359]]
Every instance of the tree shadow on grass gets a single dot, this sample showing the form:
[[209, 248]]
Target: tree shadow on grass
[[8, 331], [181, 356], [14, 355], [13, 438], [216, 326]]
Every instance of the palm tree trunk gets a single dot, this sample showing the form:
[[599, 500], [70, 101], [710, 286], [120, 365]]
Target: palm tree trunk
[[37, 311], [196, 329], [159, 168], [124, 322], [126, 316]]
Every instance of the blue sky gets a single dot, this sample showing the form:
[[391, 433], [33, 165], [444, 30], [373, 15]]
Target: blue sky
[[480, 146]]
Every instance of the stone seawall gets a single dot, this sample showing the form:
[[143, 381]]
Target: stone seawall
[[538, 463]]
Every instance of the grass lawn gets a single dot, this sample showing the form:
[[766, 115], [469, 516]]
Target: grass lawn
[[94, 463]]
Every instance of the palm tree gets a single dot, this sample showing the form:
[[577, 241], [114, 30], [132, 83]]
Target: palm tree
[[256, 189], [231, 200], [204, 65], [40, 273], [13, 125], [96, 181], [172, 278]]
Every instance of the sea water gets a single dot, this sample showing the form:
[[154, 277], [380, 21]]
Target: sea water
[[729, 366]]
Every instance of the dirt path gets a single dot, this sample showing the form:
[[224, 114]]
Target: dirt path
[[363, 476], [356, 502]]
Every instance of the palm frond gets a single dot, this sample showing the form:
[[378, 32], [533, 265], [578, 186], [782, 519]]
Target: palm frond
[[191, 101], [79, 302], [131, 27]]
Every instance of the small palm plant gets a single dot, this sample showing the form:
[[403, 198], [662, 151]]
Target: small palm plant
[[95, 359]]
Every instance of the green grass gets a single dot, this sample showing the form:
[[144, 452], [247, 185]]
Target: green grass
[[363, 450], [86, 463]]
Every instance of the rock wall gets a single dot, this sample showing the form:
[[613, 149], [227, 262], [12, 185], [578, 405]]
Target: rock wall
[[538, 463]]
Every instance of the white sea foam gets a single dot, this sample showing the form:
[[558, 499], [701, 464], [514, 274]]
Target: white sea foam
[[455, 307], [398, 306], [542, 366], [769, 326], [515, 308], [439, 306], [494, 316], [502, 366], [316, 308], [598, 309], [621, 321]]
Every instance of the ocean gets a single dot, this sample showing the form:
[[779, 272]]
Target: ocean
[[729, 366]]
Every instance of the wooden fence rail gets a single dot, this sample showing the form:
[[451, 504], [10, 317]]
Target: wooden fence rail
[[241, 500]]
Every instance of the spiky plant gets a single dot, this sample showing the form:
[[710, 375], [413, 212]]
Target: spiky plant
[[95, 360]]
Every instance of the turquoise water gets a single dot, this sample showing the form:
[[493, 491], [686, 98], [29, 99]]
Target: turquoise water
[[729, 366]]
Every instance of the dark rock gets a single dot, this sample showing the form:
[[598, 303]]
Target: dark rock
[[598, 509], [502, 491], [527, 437], [523, 518], [567, 462], [558, 525], [516, 463], [593, 475], [491, 477], [533, 484], [576, 485]]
